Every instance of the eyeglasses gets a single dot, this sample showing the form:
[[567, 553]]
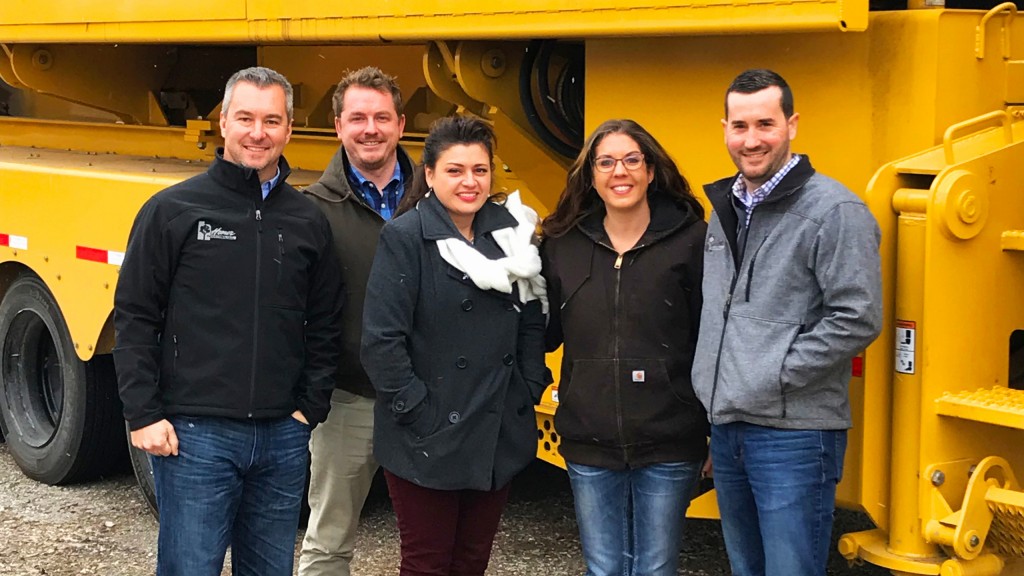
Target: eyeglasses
[[632, 161]]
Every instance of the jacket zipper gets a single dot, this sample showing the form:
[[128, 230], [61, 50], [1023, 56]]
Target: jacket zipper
[[174, 364], [721, 340], [725, 321], [750, 268], [256, 313], [615, 363], [615, 349]]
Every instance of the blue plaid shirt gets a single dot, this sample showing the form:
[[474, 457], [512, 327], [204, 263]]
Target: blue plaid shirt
[[751, 200], [385, 203]]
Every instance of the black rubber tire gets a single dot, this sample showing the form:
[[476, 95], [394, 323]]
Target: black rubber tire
[[143, 468], [61, 417]]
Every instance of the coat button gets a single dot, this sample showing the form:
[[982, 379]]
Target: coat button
[[461, 362], [398, 405], [508, 359], [453, 417], [467, 304]]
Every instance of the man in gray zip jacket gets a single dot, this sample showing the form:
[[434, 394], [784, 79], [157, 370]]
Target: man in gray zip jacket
[[792, 292]]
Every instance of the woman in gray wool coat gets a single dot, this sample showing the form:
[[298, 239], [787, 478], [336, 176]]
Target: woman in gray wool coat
[[453, 341]]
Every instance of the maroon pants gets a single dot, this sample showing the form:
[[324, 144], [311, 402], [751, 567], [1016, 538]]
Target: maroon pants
[[445, 532]]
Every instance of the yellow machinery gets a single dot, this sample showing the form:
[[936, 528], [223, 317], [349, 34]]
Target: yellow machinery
[[103, 103]]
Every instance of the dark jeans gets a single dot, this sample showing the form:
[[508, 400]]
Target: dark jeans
[[777, 494], [445, 532], [237, 482]]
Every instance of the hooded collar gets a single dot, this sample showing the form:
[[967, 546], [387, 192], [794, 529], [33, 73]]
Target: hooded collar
[[438, 225], [241, 179], [667, 216]]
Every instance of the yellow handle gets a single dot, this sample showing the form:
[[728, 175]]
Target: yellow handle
[[1001, 115], [979, 34]]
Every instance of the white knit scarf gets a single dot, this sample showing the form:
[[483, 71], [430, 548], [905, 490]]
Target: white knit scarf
[[521, 263]]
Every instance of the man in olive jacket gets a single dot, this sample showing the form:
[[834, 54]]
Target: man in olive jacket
[[358, 192], [792, 292]]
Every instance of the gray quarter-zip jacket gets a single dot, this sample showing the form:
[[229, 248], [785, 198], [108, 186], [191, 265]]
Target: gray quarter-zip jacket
[[788, 303]]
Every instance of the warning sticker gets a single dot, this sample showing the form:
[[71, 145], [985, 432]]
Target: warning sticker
[[906, 344]]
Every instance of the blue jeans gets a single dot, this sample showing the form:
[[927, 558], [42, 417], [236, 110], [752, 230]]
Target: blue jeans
[[237, 482], [631, 521], [777, 494]]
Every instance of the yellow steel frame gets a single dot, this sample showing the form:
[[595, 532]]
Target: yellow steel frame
[[950, 217]]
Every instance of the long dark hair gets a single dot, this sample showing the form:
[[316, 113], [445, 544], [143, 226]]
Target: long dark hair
[[579, 197], [445, 133]]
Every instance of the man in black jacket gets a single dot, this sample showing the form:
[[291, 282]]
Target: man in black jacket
[[359, 192], [226, 314]]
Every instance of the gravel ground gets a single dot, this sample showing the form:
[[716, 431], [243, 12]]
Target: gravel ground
[[104, 528]]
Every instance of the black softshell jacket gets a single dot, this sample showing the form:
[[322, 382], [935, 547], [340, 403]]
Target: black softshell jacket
[[227, 304]]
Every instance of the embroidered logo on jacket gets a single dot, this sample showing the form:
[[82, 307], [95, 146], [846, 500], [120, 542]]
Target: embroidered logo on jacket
[[208, 232], [714, 244]]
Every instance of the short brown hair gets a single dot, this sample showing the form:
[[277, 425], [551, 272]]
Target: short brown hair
[[367, 77]]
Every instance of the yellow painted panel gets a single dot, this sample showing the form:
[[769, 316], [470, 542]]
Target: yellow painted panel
[[278, 21], [90, 201], [121, 11]]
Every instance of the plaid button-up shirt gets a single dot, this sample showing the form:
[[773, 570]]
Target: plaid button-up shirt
[[384, 202], [751, 200]]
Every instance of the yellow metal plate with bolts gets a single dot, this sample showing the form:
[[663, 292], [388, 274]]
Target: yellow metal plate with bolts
[[273, 21]]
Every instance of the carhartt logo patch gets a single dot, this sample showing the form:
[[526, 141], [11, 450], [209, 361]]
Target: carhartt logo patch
[[208, 232]]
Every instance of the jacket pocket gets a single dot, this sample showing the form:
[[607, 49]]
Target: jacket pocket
[[749, 379], [455, 454], [653, 410], [420, 420], [288, 259], [586, 409]]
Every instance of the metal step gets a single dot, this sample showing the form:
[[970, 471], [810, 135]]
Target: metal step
[[1006, 535], [999, 405]]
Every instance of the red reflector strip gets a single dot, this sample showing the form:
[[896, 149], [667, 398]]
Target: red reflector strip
[[20, 242], [858, 367], [97, 255]]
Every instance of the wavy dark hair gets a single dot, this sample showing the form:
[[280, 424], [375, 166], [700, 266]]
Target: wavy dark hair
[[445, 133], [579, 197]]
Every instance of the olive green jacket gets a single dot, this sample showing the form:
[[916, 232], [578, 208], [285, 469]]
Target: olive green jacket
[[356, 227]]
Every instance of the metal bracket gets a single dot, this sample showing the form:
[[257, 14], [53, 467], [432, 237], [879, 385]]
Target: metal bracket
[[965, 530]]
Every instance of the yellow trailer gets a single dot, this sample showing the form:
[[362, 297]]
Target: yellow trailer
[[916, 108]]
